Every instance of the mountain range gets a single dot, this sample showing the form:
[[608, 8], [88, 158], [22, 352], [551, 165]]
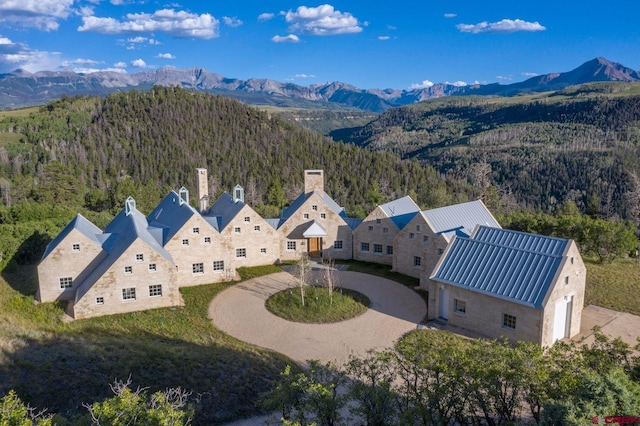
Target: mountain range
[[21, 88]]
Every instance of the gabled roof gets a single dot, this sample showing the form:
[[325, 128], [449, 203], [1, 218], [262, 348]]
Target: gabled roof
[[287, 212], [82, 225], [400, 211], [459, 219], [128, 226], [170, 216], [511, 265], [314, 230], [223, 211]]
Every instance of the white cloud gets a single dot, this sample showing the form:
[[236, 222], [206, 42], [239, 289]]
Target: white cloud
[[137, 39], [383, 38], [458, 83], [424, 85], [92, 70], [304, 76], [504, 77], [169, 21], [291, 38], [529, 74], [120, 65], [138, 63], [165, 56], [504, 26], [450, 15], [41, 14], [321, 20], [265, 16], [232, 22], [79, 61], [19, 55]]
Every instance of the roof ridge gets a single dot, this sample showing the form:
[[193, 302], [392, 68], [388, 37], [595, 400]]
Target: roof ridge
[[491, 243]]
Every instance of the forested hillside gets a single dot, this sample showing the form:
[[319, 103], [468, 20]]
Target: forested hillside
[[95, 151], [581, 144]]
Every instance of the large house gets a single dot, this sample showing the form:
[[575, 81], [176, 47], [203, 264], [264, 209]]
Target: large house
[[503, 283], [479, 276]]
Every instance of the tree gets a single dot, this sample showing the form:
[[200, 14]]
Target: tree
[[303, 274], [14, 412], [136, 407], [330, 278]]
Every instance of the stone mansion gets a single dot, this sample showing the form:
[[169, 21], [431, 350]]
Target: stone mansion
[[477, 274]]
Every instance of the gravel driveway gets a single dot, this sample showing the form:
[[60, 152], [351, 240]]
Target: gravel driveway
[[395, 309]]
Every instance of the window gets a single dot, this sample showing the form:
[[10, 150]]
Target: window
[[185, 242], [323, 215], [139, 257], [196, 230], [291, 245], [566, 280], [129, 293], [411, 235], [99, 300], [440, 251], [263, 250], [66, 282], [218, 265], [389, 250], [241, 252], [377, 248], [337, 245], [128, 270], [236, 230], [417, 261], [76, 247], [256, 228], [155, 290], [509, 321], [364, 246], [370, 228], [460, 306], [417, 228], [425, 238], [197, 268], [378, 221], [152, 267], [314, 208], [207, 240], [385, 230], [247, 219], [572, 260], [306, 215]]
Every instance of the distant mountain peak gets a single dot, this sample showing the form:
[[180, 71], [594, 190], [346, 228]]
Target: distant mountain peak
[[21, 88]]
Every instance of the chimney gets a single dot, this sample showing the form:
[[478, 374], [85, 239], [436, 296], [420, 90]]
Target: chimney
[[313, 181], [202, 185]]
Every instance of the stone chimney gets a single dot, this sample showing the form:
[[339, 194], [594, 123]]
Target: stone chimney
[[202, 185], [313, 181]]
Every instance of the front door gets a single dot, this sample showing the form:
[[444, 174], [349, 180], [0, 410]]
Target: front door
[[315, 247], [444, 303]]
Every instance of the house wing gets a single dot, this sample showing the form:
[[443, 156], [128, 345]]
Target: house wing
[[400, 211], [169, 217], [82, 225], [223, 211]]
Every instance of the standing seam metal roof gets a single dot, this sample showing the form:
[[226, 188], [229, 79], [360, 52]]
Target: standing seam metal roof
[[459, 219], [511, 265]]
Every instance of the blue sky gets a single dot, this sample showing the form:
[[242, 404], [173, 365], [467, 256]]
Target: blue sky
[[370, 44]]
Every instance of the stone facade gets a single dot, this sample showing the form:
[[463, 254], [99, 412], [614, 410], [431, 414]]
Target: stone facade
[[417, 248], [374, 238], [120, 289]]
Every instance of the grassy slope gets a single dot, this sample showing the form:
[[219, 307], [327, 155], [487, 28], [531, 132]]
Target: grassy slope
[[9, 138], [60, 365], [615, 286]]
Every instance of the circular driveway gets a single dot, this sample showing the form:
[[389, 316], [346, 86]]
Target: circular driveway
[[395, 309]]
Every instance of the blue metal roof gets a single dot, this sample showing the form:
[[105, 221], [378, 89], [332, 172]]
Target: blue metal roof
[[400, 211], [223, 210], [511, 265], [459, 219], [83, 225], [171, 215], [121, 232]]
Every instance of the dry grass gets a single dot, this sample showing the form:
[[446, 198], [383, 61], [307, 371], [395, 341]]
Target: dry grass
[[614, 285]]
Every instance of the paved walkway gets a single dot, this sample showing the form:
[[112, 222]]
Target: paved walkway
[[395, 309]]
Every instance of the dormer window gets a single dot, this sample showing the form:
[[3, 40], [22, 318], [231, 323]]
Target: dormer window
[[238, 194], [184, 196]]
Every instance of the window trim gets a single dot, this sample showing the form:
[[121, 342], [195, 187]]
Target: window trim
[[241, 253], [338, 245], [139, 257], [128, 270], [377, 248], [291, 245], [460, 307], [417, 261], [100, 300], [364, 247], [75, 247], [153, 267], [129, 294], [155, 288], [218, 266], [197, 268], [66, 283]]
